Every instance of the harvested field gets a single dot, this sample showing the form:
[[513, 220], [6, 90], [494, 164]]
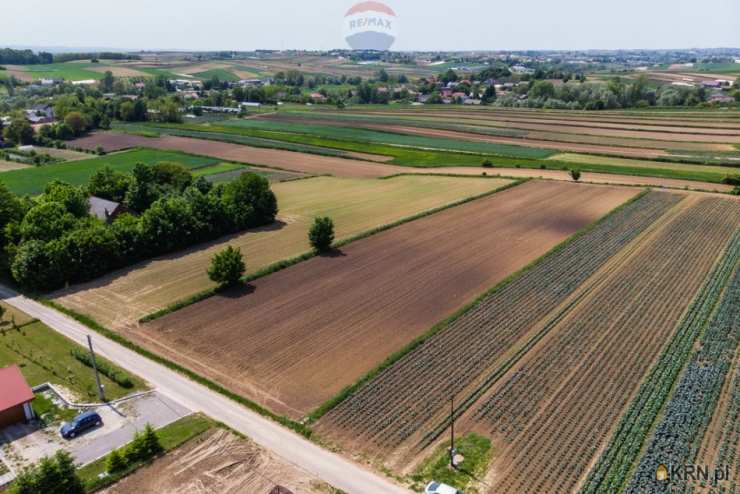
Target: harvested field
[[276, 158], [478, 342], [295, 338], [552, 412], [12, 165], [218, 462], [356, 205]]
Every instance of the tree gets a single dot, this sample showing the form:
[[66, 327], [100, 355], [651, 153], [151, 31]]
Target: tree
[[109, 184], [227, 267], [74, 199], [541, 90], [575, 174], [106, 83], [115, 462], [55, 475], [35, 267], [46, 221], [19, 132], [249, 202], [75, 121], [150, 442], [321, 234], [11, 211]]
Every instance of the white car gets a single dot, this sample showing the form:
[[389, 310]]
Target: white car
[[440, 488]]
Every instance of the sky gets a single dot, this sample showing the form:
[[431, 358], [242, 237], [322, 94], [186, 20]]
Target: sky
[[422, 24]]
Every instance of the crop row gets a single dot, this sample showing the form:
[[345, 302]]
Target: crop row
[[679, 433], [614, 464], [570, 391], [405, 398]]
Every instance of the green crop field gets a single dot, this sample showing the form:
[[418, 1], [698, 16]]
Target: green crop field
[[33, 180], [374, 136], [221, 74], [69, 71], [43, 355]]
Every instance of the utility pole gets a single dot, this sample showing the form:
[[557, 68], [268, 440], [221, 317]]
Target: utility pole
[[452, 432], [95, 366]]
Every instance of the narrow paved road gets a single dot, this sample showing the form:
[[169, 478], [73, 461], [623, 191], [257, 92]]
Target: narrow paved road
[[332, 468]]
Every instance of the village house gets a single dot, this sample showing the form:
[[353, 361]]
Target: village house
[[16, 397], [106, 210], [40, 114]]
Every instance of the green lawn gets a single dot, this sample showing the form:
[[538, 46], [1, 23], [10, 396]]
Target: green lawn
[[170, 436], [44, 356], [33, 180], [476, 451]]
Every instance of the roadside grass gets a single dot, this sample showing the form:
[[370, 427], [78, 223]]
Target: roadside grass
[[44, 355], [477, 454], [32, 181], [171, 436]]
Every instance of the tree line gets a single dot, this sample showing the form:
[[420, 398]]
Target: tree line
[[53, 240]]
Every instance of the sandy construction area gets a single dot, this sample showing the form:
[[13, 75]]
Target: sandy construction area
[[293, 339], [218, 462]]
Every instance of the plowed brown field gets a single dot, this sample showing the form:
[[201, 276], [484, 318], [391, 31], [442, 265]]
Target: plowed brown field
[[297, 337]]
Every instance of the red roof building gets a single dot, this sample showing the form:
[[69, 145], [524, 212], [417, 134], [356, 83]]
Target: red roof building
[[15, 397]]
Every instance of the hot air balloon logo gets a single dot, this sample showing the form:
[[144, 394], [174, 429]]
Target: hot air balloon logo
[[370, 26]]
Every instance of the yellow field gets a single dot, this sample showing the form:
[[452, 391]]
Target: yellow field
[[356, 205]]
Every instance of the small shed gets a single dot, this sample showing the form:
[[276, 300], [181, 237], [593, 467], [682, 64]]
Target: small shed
[[16, 397]]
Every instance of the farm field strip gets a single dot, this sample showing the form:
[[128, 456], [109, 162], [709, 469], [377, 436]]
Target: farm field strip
[[404, 400], [121, 298], [302, 350], [682, 425], [557, 407], [670, 127], [523, 136], [274, 158], [422, 162], [616, 460], [731, 117], [720, 171]]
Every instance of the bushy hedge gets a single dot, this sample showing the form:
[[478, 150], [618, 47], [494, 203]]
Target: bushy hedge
[[117, 376]]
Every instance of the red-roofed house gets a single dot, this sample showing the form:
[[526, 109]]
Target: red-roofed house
[[16, 397]]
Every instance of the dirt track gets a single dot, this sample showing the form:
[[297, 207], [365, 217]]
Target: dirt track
[[295, 338], [218, 462]]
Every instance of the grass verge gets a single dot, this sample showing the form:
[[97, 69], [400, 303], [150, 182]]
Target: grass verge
[[477, 454]]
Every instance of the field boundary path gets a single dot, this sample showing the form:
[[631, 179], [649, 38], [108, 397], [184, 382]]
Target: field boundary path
[[330, 467]]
